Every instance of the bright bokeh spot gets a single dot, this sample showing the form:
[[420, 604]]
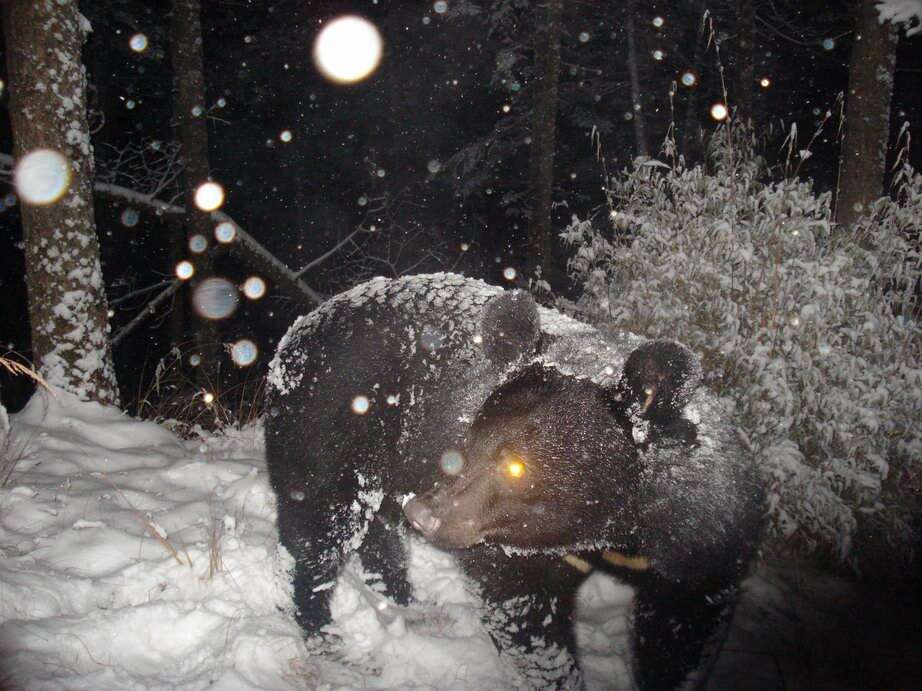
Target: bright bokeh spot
[[360, 405], [584, 37], [129, 218], [509, 273], [244, 352], [451, 462], [440, 6], [348, 49], [765, 82], [829, 43], [254, 287], [41, 177], [658, 22], [285, 136], [688, 78], [208, 397], [195, 360], [184, 270], [719, 112], [658, 55], [225, 232], [215, 298], [434, 166], [198, 243], [138, 43], [209, 196]]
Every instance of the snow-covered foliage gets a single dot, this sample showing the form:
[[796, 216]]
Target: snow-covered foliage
[[810, 328], [907, 12]]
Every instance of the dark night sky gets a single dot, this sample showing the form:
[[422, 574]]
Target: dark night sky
[[430, 96]]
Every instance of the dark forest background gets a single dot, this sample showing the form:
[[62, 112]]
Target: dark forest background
[[429, 157]]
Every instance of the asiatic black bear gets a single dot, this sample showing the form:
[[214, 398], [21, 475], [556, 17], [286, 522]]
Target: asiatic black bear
[[524, 442]]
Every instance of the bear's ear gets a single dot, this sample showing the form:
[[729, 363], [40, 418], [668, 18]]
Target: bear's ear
[[658, 380], [510, 327]]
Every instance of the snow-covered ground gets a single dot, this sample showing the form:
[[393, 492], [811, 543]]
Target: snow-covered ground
[[134, 559], [131, 559]]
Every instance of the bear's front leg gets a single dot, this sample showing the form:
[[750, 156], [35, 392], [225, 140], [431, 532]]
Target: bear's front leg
[[383, 553], [678, 630], [319, 531], [529, 603]]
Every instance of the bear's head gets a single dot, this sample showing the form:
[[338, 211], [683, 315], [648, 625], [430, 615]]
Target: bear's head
[[548, 461]]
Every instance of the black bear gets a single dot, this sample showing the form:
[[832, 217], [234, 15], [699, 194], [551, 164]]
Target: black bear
[[523, 441]]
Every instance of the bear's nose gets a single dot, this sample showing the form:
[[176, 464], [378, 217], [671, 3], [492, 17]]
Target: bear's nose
[[421, 516]]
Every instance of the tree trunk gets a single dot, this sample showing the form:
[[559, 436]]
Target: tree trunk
[[640, 136], [692, 146], [189, 111], [867, 114], [68, 311], [745, 68], [543, 141]]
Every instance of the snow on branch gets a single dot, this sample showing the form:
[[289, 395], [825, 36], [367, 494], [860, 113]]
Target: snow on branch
[[907, 12], [150, 167]]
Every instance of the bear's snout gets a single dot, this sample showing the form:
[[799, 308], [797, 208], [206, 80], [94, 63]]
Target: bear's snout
[[451, 516], [422, 517]]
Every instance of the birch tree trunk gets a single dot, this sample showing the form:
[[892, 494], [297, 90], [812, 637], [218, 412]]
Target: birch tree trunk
[[544, 141], [867, 114], [68, 312]]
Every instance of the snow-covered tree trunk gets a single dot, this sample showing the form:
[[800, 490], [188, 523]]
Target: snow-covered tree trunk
[[867, 114], [189, 109], [544, 140], [67, 301]]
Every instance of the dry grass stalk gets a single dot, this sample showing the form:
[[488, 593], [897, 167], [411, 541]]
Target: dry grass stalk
[[151, 528]]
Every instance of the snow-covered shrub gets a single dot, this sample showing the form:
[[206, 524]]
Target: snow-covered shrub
[[811, 329]]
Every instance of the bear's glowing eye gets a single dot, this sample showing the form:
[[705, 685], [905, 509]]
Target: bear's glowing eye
[[515, 469], [512, 465]]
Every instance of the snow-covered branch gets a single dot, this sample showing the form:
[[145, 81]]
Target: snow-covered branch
[[151, 167], [245, 245]]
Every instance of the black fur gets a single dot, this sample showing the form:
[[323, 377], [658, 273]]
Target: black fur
[[548, 465]]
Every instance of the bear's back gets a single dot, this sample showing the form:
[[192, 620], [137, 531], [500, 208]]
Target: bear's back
[[409, 349]]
